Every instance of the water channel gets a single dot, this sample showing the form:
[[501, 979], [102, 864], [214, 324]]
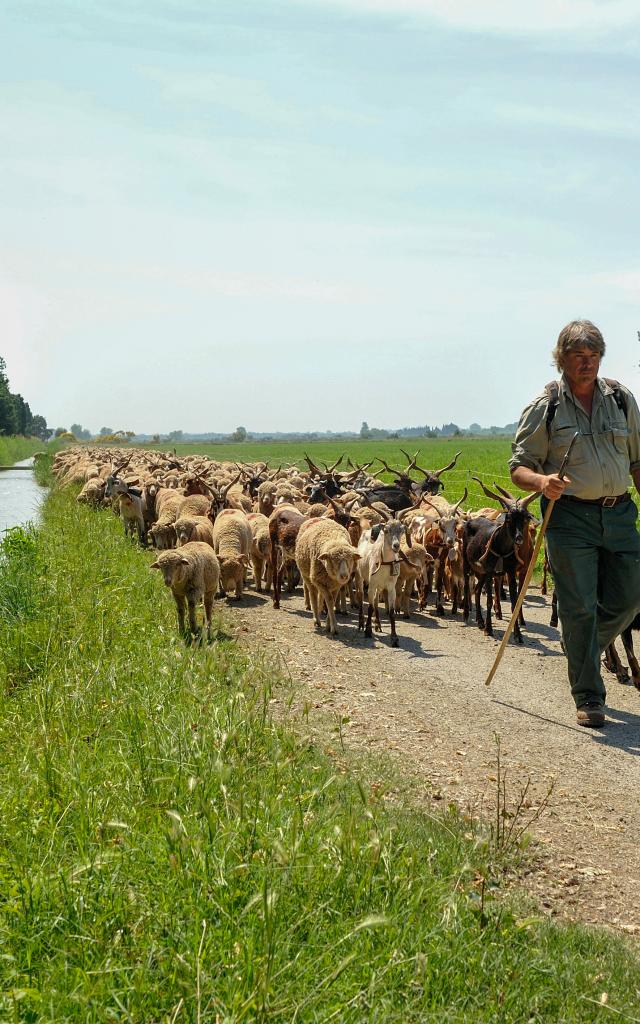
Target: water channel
[[20, 496]]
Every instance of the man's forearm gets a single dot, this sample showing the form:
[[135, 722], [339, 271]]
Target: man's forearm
[[528, 480]]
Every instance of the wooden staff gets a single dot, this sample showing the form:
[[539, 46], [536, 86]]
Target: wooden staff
[[532, 563]]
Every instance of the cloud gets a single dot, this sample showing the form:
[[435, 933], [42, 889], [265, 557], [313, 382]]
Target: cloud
[[545, 16]]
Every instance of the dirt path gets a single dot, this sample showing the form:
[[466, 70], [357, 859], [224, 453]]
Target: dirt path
[[426, 704]]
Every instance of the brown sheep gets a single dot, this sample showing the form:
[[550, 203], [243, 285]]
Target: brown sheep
[[191, 528], [193, 573]]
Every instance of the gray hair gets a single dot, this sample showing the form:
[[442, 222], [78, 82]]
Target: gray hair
[[578, 334]]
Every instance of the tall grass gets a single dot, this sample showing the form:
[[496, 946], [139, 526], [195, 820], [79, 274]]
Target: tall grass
[[14, 449], [170, 852]]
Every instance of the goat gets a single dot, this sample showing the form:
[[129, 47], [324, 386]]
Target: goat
[[488, 549]]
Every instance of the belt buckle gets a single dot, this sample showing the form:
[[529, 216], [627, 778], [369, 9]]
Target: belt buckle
[[609, 502]]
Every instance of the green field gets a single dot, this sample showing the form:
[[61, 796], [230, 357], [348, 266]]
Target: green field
[[486, 457], [170, 852], [14, 449]]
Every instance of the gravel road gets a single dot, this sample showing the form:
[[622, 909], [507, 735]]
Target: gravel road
[[426, 705]]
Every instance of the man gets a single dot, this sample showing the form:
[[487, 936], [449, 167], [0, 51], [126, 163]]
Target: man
[[592, 541]]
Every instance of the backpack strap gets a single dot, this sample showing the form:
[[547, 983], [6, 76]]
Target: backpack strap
[[552, 390], [618, 394]]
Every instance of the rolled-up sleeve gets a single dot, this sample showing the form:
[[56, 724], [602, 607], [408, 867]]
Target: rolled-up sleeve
[[531, 444], [633, 423]]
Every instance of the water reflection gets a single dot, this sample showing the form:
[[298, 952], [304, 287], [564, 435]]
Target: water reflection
[[20, 497]]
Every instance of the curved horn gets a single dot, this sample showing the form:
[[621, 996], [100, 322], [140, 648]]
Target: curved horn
[[225, 490], [491, 494], [525, 502], [459, 503], [444, 469], [410, 459], [504, 492], [313, 469], [365, 497]]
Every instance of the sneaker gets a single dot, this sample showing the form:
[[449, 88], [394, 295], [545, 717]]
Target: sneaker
[[591, 715]]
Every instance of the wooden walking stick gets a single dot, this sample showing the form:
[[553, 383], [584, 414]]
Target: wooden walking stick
[[529, 574]]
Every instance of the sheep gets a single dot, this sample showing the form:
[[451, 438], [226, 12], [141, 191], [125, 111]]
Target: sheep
[[192, 528], [131, 509], [326, 560], [232, 544], [266, 497], [194, 505], [284, 524], [193, 574], [92, 493], [163, 533], [260, 549]]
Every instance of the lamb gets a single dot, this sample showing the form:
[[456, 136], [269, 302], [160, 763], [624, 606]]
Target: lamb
[[326, 560], [192, 528], [284, 524], [193, 573], [232, 544], [260, 549]]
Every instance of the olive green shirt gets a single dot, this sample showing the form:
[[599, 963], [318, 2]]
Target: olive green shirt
[[605, 452]]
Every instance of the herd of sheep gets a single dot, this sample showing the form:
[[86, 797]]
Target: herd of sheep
[[344, 535]]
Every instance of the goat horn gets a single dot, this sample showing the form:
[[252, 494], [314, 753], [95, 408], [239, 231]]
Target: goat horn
[[459, 503], [525, 502], [444, 469], [491, 494], [504, 492]]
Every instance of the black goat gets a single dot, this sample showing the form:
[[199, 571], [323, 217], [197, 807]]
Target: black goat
[[489, 549]]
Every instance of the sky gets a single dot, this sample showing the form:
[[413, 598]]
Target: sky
[[303, 214]]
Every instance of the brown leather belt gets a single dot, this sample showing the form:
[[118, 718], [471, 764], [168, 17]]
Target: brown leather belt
[[608, 502]]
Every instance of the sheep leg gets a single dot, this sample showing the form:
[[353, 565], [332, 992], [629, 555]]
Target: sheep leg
[[208, 609], [180, 608], [392, 620], [257, 572], [313, 595], [276, 576], [192, 600], [513, 597], [329, 600], [440, 586]]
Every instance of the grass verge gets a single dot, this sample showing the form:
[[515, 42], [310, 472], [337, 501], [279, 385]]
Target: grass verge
[[169, 852], [14, 449]]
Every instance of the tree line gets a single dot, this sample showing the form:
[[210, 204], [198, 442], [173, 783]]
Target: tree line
[[15, 415]]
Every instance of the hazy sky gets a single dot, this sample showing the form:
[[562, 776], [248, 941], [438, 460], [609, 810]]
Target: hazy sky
[[299, 214]]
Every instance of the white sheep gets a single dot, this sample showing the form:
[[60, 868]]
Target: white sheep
[[190, 528]]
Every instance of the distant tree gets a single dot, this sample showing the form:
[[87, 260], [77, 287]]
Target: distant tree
[[59, 431], [156, 439], [130, 433], [105, 430], [239, 434], [175, 435], [364, 430], [39, 428]]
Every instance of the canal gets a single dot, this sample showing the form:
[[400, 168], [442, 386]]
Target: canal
[[20, 496]]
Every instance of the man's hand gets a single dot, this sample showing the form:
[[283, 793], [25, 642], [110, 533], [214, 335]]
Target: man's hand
[[552, 486]]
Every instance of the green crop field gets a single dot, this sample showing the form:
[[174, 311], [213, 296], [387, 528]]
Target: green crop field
[[485, 457]]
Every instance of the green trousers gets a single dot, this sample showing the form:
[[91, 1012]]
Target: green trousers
[[594, 554]]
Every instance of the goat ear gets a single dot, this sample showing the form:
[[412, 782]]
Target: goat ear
[[155, 565], [184, 561], [407, 537], [375, 531]]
